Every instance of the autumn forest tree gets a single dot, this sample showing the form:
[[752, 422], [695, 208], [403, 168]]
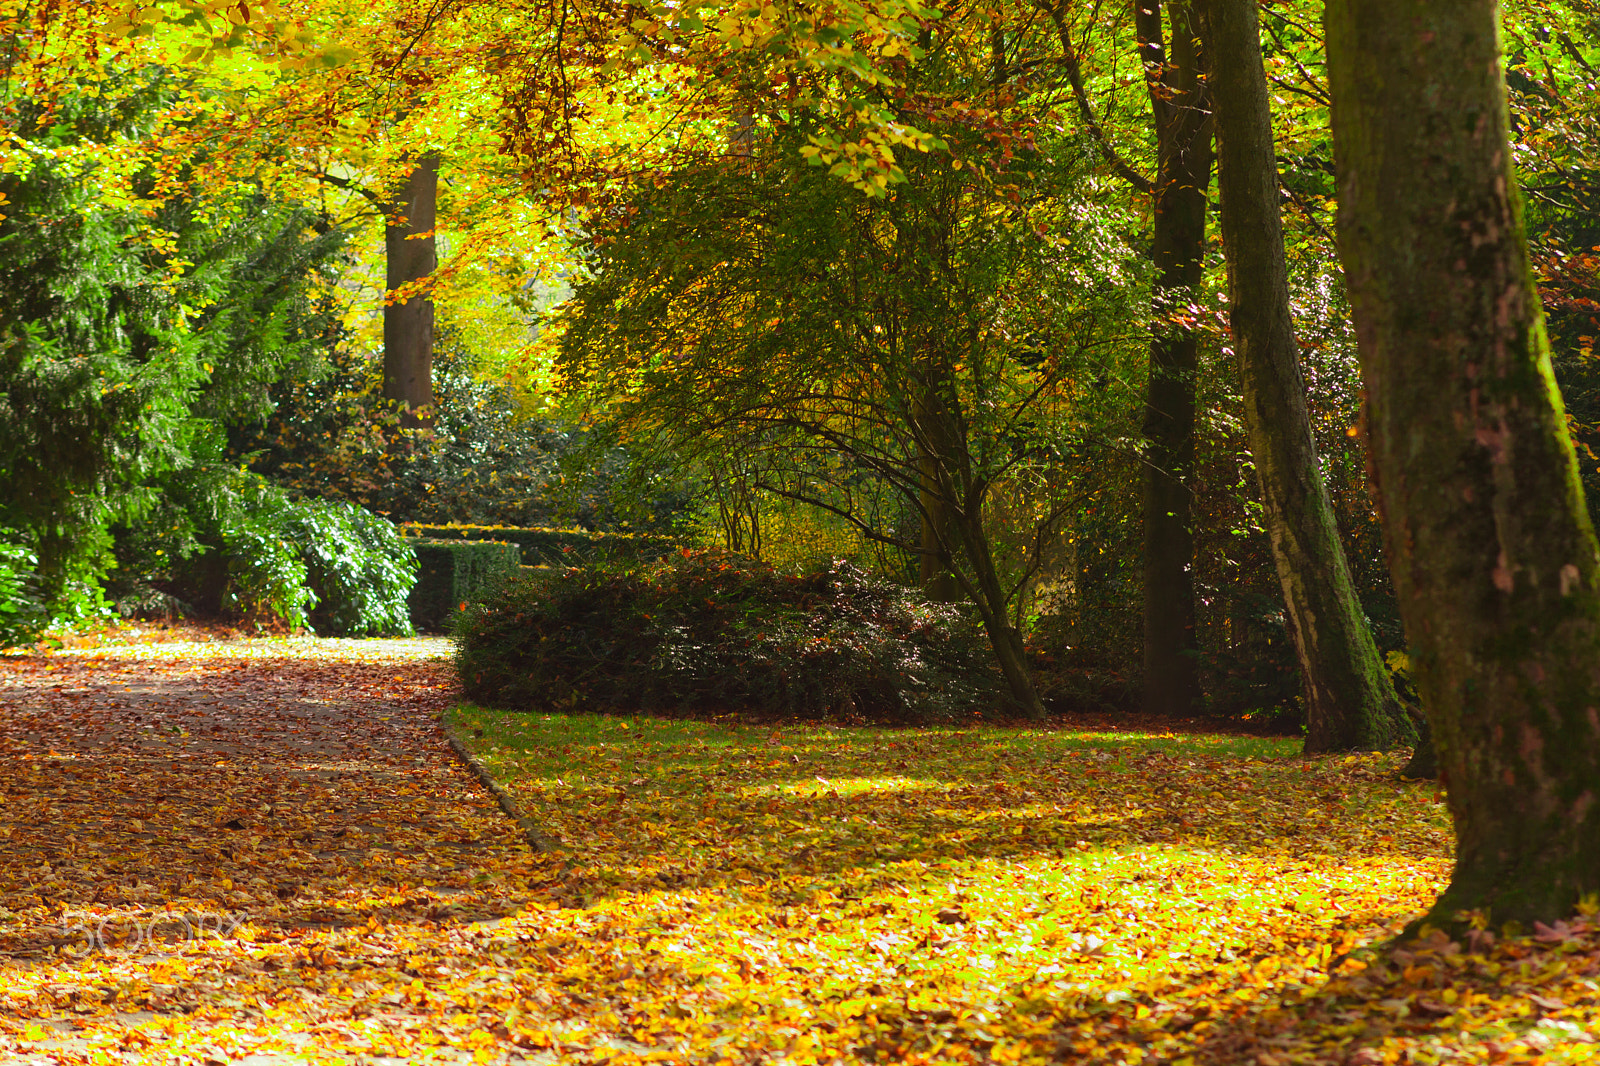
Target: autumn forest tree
[[1491, 546]]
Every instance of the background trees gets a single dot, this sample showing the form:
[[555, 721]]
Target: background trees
[[910, 363], [1349, 701]]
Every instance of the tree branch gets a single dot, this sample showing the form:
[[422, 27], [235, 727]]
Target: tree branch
[[1096, 130]]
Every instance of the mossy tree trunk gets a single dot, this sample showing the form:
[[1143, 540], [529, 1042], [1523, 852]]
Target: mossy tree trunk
[[1494, 561], [410, 249], [1349, 700], [1183, 134]]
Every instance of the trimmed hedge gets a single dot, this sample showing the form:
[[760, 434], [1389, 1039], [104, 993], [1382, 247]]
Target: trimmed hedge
[[712, 631], [457, 572], [556, 547]]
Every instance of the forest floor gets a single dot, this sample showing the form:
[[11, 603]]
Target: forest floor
[[265, 851]]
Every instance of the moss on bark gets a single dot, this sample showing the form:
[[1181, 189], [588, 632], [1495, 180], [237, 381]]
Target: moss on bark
[[1349, 700], [1494, 561]]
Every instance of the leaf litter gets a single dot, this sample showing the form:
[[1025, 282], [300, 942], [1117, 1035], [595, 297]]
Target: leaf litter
[[265, 851]]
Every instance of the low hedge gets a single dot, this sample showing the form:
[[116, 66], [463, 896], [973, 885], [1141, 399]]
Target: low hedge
[[715, 632], [455, 573], [556, 547]]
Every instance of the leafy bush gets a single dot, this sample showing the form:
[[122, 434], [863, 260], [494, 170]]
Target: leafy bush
[[314, 564], [359, 567], [226, 542], [266, 578], [1256, 677], [22, 612], [716, 631]]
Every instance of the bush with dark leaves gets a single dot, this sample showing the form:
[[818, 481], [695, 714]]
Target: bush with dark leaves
[[709, 632]]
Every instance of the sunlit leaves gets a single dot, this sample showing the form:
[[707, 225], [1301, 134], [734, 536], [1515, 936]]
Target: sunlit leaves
[[720, 893]]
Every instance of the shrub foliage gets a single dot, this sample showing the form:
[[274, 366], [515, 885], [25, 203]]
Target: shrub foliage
[[710, 631], [455, 573], [225, 542]]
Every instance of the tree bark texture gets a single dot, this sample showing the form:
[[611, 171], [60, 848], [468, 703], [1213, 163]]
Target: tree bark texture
[[1349, 700], [1183, 135], [1493, 557], [989, 597], [410, 249]]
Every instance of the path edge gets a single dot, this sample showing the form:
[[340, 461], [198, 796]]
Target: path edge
[[528, 827]]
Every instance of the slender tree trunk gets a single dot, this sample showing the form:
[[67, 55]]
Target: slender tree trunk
[[410, 248], [952, 502], [938, 583], [989, 596], [1183, 134], [1494, 561], [1349, 700]]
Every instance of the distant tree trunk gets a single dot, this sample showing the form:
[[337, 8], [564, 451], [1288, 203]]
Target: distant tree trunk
[[1183, 135], [1349, 700], [1493, 557], [408, 324], [989, 596], [937, 540]]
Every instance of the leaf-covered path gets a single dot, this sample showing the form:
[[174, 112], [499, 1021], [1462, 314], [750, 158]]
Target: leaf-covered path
[[266, 852], [210, 851]]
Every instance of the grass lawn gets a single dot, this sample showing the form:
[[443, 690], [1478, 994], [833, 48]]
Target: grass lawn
[[818, 894]]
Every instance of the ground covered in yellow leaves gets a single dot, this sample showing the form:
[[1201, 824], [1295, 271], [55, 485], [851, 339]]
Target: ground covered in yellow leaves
[[266, 852]]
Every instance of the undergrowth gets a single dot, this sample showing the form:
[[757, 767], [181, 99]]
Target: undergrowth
[[712, 630]]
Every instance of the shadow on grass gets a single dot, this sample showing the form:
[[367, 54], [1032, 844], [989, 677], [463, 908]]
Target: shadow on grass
[[696, 804], [1088, 897]]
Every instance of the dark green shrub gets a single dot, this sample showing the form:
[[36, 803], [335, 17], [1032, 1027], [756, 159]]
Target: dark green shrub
[[455, 573], [711, 631], [1255, 677], [224, 542], [557, 547]]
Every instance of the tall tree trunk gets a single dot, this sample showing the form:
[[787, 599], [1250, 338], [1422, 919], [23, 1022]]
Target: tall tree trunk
[[1494, 561], [410, 249], [1349, 700], [1183, 135]]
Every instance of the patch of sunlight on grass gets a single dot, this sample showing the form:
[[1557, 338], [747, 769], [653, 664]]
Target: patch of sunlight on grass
[[843, 786]]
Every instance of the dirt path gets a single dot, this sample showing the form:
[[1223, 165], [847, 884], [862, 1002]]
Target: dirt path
[[225, 850]]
